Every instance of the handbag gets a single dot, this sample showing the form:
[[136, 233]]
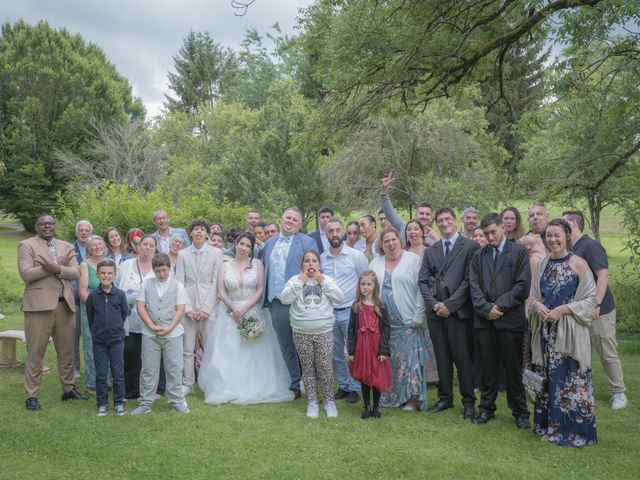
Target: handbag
[[534, 382]]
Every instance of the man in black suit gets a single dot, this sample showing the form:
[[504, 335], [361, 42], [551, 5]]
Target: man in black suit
[[444, 284], [499, 281]]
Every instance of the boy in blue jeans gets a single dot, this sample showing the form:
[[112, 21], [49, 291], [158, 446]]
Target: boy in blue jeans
[[161, 305], [107, 310]]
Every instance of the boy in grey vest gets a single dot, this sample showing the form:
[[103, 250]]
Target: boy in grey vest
[[161, 304]]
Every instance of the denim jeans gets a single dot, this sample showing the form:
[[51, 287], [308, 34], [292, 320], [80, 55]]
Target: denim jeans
[[340, 368]]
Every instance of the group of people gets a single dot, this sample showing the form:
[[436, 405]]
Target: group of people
[[279, 312]]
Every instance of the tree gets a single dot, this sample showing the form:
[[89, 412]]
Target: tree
[[515, 87], [443, 155], [202, 71], [117, 152], [416, 51], [257, 68], [52, 84], [583, 146]]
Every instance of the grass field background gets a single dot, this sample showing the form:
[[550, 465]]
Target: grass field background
[[277, 441]]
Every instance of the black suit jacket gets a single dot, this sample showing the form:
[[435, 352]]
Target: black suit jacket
[[447, 280], [505, 284], [317, 236], [385, 333]]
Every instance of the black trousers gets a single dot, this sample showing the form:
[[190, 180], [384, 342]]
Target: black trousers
[[452, 340], [496, 347], [133, 365]]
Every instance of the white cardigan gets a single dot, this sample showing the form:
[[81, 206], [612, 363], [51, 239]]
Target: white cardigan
[[404, 283]]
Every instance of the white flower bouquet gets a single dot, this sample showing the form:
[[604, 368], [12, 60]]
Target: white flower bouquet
[[251, 328]]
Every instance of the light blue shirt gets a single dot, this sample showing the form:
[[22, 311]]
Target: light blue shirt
[[345, 268], [276, 278], [451, 239]]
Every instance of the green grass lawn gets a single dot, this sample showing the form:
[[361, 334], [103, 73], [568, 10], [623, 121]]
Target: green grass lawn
[[268, 441]]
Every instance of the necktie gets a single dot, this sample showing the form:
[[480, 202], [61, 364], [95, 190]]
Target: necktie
[[447, 248], [496, 252]]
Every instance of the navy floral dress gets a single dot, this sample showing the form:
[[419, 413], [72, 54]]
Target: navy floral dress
[[565, 414]]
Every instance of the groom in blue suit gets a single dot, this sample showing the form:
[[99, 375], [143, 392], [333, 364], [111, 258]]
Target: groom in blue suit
[[282, 257]]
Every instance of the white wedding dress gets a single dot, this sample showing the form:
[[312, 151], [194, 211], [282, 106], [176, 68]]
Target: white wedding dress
[[234, 370]]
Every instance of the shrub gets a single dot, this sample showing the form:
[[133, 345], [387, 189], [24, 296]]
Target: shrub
[[125, 207]]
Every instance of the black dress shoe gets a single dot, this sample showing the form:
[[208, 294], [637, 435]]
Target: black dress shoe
[[366, 413], [73, 394], [523, 422], [32, 403], [484, 417], [375, 413], [340, 394], [353, 397], [469, 413], [439, 406]]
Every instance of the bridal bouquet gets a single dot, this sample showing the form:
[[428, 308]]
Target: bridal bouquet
[[251, 328]]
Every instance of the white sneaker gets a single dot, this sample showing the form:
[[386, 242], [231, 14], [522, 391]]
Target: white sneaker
[[181, 407], [102, 411], [186, 390], [332, 410], [618, 401], [141, 410], [312, 409], [120, 410]]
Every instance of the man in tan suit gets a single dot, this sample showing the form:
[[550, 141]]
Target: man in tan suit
[[47, 266], [197, 270]]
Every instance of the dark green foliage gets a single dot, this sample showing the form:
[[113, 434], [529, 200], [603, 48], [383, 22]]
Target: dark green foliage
[[52, 84], [203, 70]]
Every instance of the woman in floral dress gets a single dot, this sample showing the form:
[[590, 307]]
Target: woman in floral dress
[[562, 307]]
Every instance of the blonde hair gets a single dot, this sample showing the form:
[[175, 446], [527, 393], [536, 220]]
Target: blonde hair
[[93, 239], [377, 301]]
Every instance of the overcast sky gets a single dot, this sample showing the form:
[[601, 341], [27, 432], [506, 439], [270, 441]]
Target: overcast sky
[[140, 37]]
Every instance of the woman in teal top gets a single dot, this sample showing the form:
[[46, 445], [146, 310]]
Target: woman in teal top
[[96, 252]]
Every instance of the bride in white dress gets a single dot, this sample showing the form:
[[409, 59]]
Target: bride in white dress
[[233, 369]]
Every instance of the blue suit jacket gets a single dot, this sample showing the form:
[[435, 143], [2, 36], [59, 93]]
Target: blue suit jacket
[[299, 244]]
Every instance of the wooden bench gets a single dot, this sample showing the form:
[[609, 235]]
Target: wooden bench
[[8, 347]]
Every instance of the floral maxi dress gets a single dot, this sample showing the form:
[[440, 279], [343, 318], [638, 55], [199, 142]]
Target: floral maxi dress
[[565, 414]]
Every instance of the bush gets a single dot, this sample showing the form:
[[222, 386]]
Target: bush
[[125, 207]]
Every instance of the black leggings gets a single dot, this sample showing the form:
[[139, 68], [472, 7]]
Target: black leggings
[[365, 396]]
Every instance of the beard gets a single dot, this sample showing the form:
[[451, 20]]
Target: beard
[[335, 242]]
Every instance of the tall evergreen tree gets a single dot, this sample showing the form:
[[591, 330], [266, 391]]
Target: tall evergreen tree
[[515, 88], [202, 72]]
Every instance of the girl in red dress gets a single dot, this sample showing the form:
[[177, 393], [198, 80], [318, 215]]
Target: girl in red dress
[[368, 343]]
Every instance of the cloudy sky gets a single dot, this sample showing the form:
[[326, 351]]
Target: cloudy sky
[[141, 36]]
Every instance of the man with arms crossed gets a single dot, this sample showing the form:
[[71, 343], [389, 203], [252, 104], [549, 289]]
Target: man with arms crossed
[[47, 266]]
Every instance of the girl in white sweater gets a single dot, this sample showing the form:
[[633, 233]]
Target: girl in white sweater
[[312, 296]]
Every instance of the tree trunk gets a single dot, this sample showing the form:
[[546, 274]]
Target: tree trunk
[[595, 209]]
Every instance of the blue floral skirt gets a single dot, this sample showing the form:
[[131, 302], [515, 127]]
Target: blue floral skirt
[[408, 359], [565, 413]]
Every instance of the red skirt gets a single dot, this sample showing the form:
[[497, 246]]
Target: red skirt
[[365, 366]]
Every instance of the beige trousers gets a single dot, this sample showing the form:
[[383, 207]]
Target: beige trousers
[[603, 340], [59, 324]]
